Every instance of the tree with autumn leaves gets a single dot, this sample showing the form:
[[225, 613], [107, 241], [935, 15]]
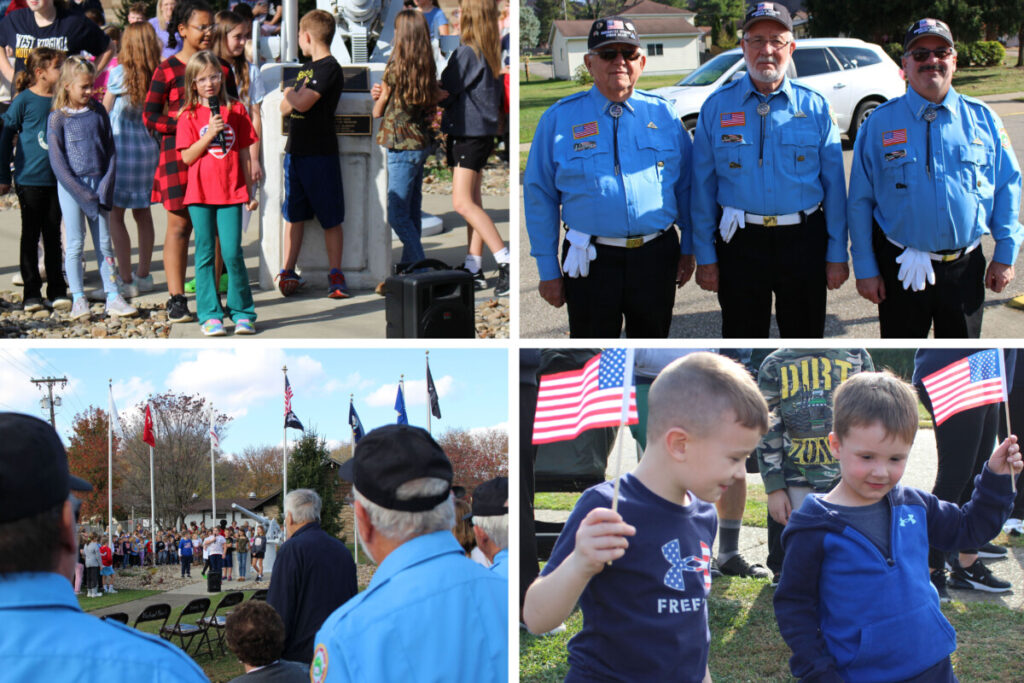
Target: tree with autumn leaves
[[476, 455], [87, 458]]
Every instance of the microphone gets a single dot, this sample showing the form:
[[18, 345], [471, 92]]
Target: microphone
[[214, 104]]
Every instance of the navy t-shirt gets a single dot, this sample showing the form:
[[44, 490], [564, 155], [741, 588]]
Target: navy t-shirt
[[69, 33], [644, 617]]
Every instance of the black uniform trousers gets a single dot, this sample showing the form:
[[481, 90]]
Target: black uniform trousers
[[787, 261], [637, 284], [955, 303]]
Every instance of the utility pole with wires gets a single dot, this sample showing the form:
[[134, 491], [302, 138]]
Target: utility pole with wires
[[49, 402]]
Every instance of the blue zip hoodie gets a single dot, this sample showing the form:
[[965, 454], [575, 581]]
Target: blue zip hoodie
[[849, 613]]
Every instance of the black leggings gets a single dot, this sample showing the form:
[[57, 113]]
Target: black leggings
[[964, 442]]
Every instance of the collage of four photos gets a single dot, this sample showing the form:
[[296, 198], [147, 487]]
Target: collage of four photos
[[511, 400]]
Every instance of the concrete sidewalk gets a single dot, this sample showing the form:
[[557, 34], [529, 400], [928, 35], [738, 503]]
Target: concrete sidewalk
[[308, 314]]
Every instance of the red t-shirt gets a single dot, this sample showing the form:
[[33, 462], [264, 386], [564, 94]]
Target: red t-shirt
[[216, 177], [106, 558]]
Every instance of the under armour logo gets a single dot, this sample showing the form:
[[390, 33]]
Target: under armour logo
[[908, 518], [693, 563]]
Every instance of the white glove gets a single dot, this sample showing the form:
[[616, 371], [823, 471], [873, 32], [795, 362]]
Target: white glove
[[915, 269], [581, 253], [731, 220]]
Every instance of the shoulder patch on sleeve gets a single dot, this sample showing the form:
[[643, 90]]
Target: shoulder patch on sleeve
[[318, 669]]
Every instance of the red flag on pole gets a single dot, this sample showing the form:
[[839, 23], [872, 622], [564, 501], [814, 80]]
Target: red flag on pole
[[147, 430]]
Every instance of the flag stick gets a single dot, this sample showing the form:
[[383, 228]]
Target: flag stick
[[627, 383], [110, 464], [1013, 476], [426, 356], [284, 447]]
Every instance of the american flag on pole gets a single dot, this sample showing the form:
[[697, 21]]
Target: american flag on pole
[[569, 403], [734, 118], [977, 380], [290, 419], [894, 137]]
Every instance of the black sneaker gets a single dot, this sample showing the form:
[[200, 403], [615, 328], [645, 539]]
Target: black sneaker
[[992, 551], [479, 281], [737, 566], [776, 577], [976, 577], [714, 570], [938, 579], [177, 309], [501, 288]]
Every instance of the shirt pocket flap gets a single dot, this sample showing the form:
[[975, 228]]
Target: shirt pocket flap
[[801, 137], [973, 154]]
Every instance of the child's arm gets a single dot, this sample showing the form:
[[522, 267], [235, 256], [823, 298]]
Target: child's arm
[[83, 195], [980, 519], [153, 108], [796, 607], [105, 190], [600, 538], [457, 73], [771, 452], [298, 100], [193, 152], [381, 94], [11, 126], [244, 161]]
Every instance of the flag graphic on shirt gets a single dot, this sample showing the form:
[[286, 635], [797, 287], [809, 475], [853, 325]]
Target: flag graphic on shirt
[[569, 403], [691, 563], [290, 419], [977, 380], [584, 130], [894, 137], [734, 118]]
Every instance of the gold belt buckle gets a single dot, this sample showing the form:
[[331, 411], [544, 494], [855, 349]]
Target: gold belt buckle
[[946, 258], [770, 221], [634, 242]]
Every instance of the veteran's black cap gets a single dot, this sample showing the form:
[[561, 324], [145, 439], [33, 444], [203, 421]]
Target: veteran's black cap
[[491, 498], [34, 473], [612, 31], [927, 27], [774, 11], [390, 456]]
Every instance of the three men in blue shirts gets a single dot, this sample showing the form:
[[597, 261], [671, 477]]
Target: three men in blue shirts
[[429, 613], [613, 165], [933, 171], [769, 193], [490, 522], [45, 635]]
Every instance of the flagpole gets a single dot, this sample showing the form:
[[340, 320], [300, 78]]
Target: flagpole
[[627, 382], [427, 356], [152, 504], [355, 520], [213, 478], [284, 446], [110, 464]]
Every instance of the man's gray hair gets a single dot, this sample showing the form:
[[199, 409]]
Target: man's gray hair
[[402, 526], [496, 527], [304, 504]]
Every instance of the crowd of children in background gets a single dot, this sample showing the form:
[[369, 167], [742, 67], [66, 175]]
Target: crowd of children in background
[[101, 135]]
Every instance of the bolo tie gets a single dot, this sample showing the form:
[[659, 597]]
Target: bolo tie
[[763, 110], [615, 111], [929, 116]]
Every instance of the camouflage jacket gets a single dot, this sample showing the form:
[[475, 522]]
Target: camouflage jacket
[[798, 386]]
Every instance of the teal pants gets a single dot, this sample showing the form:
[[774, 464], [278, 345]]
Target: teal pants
[[208, 223]]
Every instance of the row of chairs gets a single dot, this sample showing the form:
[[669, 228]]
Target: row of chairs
[[189, 630]]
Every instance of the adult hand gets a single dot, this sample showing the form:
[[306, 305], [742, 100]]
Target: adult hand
[[707, 277], [1006, 458], [998, 276], [779, 506], [872, 289], [836, 274], [552, 291], [600, 539], [685, 271]]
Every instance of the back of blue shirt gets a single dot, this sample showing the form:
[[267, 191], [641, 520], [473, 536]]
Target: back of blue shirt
[[652, 602], [26, 118]]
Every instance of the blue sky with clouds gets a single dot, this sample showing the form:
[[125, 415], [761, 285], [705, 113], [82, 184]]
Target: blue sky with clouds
[[246, 383]]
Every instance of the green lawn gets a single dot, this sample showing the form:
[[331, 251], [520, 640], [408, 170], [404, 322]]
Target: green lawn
[[111, 599], [988, 80], [746, 644]]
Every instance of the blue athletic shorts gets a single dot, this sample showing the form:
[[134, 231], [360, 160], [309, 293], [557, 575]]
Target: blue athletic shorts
[[312, 187], [106, 571]]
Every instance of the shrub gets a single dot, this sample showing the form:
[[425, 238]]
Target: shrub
[[582, 75], [988, 53], [894, 50]]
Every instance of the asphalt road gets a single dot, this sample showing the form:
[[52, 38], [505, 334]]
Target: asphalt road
[[697, 315]]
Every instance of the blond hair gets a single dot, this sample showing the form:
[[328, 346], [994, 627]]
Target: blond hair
[[196, 65], [72, 68], [478, 29], [695, 392], [319, 24], [875, 397]]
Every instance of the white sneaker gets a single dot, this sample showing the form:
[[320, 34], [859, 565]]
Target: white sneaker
[[1014, 526], [119, 307], [113, 590], [145, 284], [61, 304], [128, 290], [80, 308], [17, 280]]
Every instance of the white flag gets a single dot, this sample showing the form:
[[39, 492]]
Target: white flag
[[115, 420], [214, 429]]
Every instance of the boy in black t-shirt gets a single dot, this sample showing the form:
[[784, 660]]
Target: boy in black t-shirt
[[312, 170]]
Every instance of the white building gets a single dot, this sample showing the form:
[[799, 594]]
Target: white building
[[667, 34]]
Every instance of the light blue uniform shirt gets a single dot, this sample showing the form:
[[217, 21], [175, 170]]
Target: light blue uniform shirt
[[429, 614], [572, 166], [802, 162], [499, 565], [974, 186], [45, 636]]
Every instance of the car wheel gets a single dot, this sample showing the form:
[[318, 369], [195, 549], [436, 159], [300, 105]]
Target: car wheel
[[864, 110], [690, 124]]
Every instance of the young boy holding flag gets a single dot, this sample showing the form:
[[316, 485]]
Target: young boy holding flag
[[642, 573], [854, 602]]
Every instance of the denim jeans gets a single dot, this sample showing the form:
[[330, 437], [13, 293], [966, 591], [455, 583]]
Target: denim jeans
[[75, 221], [243, 563], [405, 199]]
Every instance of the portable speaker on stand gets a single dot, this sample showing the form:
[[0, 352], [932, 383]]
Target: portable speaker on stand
[[434, 303]]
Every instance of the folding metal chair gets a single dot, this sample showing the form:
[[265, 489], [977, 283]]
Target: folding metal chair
[[218, 622], [261, 594], [117, 616], [186, 630], [159, 612]]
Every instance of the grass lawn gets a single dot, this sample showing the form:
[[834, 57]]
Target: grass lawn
[[111, 599], [746, 644], [988, 80]]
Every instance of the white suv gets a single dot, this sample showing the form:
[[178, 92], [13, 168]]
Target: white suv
[[855, 77]]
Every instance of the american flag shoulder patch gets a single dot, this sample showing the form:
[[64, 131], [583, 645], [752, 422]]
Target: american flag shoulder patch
[[894, 137], [584, 130], [734, 118]]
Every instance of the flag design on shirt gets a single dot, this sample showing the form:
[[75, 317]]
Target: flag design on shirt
[[734, 118], [894, 137]]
